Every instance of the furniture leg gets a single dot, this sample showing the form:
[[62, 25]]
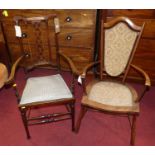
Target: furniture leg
[[23, 114], [72, 107], [82, 113], [133, 130]]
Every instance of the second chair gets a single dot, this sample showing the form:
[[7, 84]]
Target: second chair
[[110, 93]]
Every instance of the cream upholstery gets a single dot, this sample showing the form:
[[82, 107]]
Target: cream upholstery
[[111, 93], [119, 42], [45, 88]]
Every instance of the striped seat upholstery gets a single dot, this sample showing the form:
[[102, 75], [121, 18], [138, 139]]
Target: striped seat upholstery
[[44, 89]]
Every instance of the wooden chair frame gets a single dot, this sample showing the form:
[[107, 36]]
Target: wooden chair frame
[[25, 109], [147, 84]]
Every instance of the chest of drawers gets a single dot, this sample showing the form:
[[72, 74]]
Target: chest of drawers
[[77, 37]]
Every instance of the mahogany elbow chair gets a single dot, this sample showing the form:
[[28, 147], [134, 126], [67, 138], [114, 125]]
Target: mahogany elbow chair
[[110, 94], [46, 90]]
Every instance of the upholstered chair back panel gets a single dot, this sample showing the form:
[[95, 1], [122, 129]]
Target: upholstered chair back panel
[[119, 42]]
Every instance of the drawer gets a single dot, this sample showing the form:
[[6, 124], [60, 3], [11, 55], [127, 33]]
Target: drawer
[[68, 37], [77, 38], [75, 18], [81, 57], [78, 54], [9, 31], [133, 13], [69, 18], [20, 12]]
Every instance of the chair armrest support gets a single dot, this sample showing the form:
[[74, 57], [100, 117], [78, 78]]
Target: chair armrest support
[[145, 75], [85, 70], [83, 75], [147, 80], [71, 64], [13, 70]]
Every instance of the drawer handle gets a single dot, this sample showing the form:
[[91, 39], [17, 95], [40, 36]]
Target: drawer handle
[[68, 19], [24, 35], [69, 37], [27, 55]]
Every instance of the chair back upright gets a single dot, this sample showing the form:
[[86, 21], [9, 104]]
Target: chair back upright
[[118, 43], [38, 37]]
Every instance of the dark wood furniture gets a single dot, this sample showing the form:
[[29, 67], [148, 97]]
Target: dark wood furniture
[[46, 90], [118, 43], [77, 37], [145, 53]]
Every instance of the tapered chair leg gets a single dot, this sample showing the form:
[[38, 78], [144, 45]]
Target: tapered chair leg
[[73, 116], [82, 113], [23, 114], [133, 130]]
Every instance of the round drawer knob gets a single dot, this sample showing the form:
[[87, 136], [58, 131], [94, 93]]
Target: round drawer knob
[[69, 37], [27, 55], [24, 35], [68, 19]]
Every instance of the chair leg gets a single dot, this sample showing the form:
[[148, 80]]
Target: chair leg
[[82, 113], [23, 114], [133, 130], [72, 106]]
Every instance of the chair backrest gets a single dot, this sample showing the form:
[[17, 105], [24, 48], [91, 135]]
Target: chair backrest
[[119, 40], [38, 36]]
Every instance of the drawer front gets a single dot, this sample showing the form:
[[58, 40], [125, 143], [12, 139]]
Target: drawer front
[[77, 38], [77, 18], [9, 31], [81, 57], [69, 18], [68, 37], [20, 12]]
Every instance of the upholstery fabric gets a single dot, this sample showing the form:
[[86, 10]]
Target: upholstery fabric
[[111, 93], [3, 74], [119, 42], [45, 88]]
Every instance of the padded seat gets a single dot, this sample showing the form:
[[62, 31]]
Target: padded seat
[[109, 95], [45, 89]]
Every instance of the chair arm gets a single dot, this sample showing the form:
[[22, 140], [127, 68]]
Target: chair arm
[[13, 70], [145, 75], [83, 75], [71, 64], [85, 70], [147, 80]]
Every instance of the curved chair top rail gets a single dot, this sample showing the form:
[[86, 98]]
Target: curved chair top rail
[[17, 19], [125, 20]]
